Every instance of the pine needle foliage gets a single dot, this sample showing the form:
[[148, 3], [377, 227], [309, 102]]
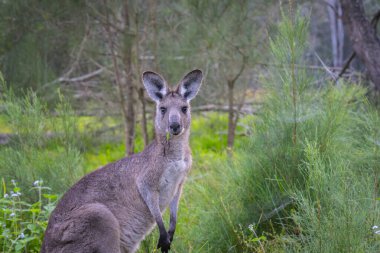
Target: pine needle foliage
[[41, 146], [306, 180]]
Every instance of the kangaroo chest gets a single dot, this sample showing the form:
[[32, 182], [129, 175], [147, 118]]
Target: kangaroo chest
[[174, 173]]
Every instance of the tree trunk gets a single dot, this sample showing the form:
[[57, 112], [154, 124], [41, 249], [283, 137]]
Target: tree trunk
[[334, 11], [153, 17], [139, 46], [124, 105], [363, 37], [144, 127], [127, 60], [233, 116], [231, 121]]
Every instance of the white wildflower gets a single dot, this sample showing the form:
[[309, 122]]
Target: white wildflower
[[12, 214], [15, 194], [377, 232], [374, 227], [13, 181], [6, 195], [36, 183], [22, 236]]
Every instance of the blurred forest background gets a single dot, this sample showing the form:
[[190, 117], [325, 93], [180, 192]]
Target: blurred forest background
[[285, 131]]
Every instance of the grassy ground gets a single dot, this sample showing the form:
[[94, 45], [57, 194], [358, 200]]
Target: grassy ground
[[4, 128], [327, 181], [208, 141]]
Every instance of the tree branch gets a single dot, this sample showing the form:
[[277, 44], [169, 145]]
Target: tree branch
[[82, 78]]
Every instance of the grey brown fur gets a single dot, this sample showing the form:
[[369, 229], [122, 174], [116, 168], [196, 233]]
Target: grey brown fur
[[113, 208]]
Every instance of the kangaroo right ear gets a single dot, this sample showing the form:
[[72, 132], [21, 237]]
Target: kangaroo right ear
[[155, 85], [190, 84]]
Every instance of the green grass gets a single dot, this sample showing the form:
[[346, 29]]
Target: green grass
[[4, 127], [224, 200], [208, 141], [42, 146]]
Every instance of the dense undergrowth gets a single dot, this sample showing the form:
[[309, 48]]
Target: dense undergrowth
[[41, 145], [305, 180], [22, 221]]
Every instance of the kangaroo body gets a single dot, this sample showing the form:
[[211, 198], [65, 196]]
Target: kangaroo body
[[113, 208]]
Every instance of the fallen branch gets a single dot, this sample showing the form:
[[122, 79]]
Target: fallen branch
[[82, 78], [224, 108], [282, 206]]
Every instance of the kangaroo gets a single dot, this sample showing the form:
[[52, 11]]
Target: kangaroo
[[113, 208]]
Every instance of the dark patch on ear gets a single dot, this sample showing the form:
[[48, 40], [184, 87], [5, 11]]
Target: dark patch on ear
[[158, 94], [187, 93], [157, 83], [189, 82]]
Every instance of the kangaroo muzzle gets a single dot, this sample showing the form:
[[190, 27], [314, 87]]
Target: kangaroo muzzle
[[175, 128], [174, 124]]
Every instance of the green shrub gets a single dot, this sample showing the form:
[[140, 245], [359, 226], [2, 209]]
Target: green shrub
[[22, 223], [304, 181], [41, 146], [337, 208]]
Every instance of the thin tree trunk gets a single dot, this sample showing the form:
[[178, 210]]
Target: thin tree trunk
[[139, 47], [334, 11], [144, 127], [118, 77], [153, 31], [332, 18], [363, 37], [232, 118], [127, 59], [153, 12], [231, 125], [340, 34]]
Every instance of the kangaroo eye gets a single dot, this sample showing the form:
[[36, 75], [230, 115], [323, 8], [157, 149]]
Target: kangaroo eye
[[184, 109], [163, 110]]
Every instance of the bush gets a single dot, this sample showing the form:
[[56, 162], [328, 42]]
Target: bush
[[22, 224], [306, 180], [41, 145]]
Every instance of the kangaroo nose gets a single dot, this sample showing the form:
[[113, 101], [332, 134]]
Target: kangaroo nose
[[175, 128]]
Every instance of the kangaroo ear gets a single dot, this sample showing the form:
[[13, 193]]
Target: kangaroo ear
[[155, 85], [190, 84]]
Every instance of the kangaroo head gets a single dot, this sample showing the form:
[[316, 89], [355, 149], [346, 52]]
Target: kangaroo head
[[172, 106]]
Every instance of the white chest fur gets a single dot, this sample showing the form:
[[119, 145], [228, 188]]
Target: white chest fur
[[173, 174]]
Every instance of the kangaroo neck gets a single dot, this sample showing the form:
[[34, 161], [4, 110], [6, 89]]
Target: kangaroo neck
[[174, 147]]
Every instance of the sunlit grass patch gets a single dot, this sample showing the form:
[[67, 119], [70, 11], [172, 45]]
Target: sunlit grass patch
[[4, 127], [103, 155]]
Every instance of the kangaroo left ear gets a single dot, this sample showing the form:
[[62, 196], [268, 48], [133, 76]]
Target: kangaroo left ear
[[155, 85], [190, 84]]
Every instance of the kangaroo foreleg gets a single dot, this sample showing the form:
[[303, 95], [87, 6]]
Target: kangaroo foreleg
[[151, 199], [173, 211]]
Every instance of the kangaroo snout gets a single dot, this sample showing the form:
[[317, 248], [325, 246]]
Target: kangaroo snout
[[175, 128]]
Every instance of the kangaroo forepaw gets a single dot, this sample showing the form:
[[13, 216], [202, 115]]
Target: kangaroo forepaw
[[164, 243], [171, 235]]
